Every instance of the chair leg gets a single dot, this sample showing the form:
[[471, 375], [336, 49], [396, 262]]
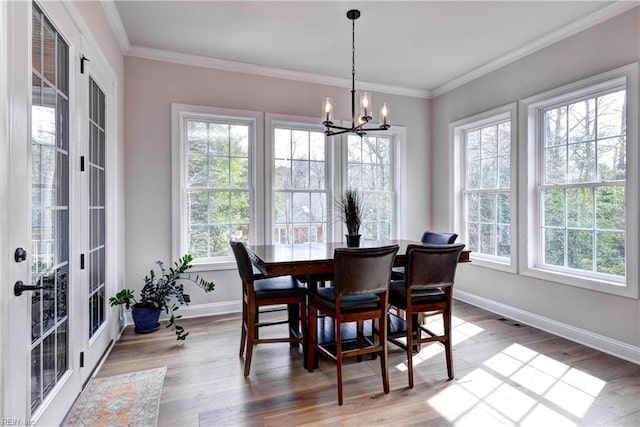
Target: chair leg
[[359, 337], [447, 344], [384, 365], [252, 329], [312, 338], [338, 338], [304, 329], [410, 318], [417, 319], [243, 334]]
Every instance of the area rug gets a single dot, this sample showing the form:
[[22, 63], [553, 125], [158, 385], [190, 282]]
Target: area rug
[[123, 400]]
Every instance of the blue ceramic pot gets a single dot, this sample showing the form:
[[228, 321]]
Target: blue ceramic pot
[[145, 319]]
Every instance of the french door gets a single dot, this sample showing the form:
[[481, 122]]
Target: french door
[[96, 274], [53, 310]]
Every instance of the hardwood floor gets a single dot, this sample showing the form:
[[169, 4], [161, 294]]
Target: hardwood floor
[[506, 374]]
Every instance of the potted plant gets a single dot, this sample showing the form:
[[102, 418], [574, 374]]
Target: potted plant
[[350, 207], [163, 292]]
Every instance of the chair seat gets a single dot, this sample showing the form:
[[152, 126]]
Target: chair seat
[[398, 295], [327, 297], [278, 287], [397, 273]]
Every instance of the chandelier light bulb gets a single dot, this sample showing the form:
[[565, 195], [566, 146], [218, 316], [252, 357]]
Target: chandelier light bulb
[[327, 110], [384, 114], [365, 104]]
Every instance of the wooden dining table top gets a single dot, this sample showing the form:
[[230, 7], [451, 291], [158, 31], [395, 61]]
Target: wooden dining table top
[[316, 258]]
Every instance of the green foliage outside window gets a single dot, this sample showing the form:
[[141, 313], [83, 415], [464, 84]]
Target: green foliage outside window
[[583, 191]]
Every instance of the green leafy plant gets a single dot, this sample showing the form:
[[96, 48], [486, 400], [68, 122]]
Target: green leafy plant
[[165, 292], [350, 207]]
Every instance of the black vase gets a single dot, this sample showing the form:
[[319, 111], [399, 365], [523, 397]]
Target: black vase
[[353, 240], [145, 319]]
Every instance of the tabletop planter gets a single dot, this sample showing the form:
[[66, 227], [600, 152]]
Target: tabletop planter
[[350, 207]]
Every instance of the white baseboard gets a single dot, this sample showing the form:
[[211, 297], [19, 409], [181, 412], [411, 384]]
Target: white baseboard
[[198, 310], [599, 342]]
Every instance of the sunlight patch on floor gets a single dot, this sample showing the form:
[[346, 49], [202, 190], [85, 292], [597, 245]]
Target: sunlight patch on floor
[[521, 386], [462, 331]]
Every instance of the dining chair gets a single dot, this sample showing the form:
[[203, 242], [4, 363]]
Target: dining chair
[[259, 291], [359, 293], [428, 289], [431, 237]]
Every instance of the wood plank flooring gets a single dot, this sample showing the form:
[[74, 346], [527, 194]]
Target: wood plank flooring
[[506, 374]]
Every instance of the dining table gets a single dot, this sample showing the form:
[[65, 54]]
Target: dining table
[[309, 259], [313, 264]]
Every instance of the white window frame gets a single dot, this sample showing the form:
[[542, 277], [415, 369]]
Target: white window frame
[[179, 114], [457, 131], [273, 121], [398, 135], [530, 167]]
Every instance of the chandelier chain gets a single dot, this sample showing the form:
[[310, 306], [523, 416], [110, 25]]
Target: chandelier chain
[[353, 47]]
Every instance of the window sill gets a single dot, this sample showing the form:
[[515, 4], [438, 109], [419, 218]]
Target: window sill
[[210, 265], [594, 284], [493, 263]]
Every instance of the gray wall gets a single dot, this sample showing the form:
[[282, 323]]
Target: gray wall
[[151, 87], [609, 45]]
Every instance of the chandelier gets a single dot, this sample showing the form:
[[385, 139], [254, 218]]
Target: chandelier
[[357, 123]]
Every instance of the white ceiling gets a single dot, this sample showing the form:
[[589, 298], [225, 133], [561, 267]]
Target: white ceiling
[[422, 46]]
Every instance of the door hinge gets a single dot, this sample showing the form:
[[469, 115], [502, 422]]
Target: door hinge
[[81, 163], [82, 359], [81, 261], [82, 59]]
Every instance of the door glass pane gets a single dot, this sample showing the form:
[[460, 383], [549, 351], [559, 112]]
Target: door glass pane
[[96, 166], [50, 209]]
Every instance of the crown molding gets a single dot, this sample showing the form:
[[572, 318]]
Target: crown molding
[[113, 16], [595, 18], [241, 67]]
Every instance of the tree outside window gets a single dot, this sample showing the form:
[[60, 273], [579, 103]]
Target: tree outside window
[[370, 170], [217, 186], [487, 189], [583, 184], [299, 187]]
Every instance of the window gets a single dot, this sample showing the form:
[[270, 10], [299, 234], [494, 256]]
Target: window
[[583, 156], [309, 170], [213, 179], [487, 197], [234, 177], [370, 169], [299, 185], [584, 202], [485, 208]]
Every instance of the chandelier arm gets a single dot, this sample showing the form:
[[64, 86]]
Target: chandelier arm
[[332, 133], [380, 128], [337, 127]]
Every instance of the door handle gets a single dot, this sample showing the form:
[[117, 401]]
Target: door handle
[[20, 255], [20, 287]]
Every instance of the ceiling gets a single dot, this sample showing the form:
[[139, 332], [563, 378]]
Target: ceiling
[[414, 47]]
